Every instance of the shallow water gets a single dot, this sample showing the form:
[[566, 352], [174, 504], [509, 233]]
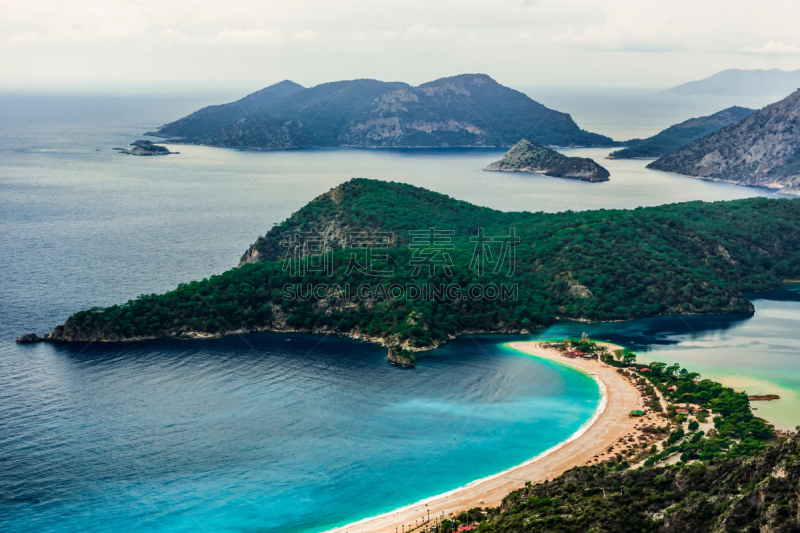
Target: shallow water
[[758, 353]]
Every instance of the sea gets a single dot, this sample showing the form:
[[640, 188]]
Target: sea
[[291, 433]]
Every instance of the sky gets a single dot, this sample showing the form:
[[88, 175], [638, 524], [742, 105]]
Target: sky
[[560, 43]]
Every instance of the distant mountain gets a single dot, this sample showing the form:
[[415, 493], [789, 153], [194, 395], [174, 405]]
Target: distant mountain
[[761, 150], [211, 118], [680, 135], [736, 82], [465, 110], [526, 156]]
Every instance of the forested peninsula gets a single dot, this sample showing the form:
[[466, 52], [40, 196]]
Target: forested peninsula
[[464, 110], [309, 273]]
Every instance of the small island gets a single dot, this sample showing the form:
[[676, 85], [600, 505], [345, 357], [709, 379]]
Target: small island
[[530, 157], [146, 148], [401, 357]]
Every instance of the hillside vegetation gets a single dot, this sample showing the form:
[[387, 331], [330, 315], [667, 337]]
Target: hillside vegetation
[[734, 476], [730, 494], [465, 110], [691, 258]]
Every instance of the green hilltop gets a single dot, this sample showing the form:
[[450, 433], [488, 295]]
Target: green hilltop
[[690, 258]]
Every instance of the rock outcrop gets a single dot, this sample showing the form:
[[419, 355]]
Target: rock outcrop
[[530, 157], [401, 357], [146, 148], [29, 338]]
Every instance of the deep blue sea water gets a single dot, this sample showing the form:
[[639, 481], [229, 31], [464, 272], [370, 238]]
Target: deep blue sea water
[[261, 432]]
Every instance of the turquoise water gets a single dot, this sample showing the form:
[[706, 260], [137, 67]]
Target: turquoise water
[[254, 433], [758, 353], [262, 433]]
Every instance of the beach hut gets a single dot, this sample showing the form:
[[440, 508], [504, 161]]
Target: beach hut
[[637, 412]]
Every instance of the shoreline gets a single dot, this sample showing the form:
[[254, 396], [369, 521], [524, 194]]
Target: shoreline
[[610, 421]]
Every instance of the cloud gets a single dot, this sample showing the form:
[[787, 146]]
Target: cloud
[[771, 48], [304, 35], [529, 3], [606, 37], [235, 37]]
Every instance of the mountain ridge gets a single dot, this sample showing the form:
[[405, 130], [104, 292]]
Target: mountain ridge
[[680, 134], [463, 110], [761, 150], [209, 118], [741, 82]]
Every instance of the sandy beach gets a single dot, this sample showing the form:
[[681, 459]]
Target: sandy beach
[[611, 423]]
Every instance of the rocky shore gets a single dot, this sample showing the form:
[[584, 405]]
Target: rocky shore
[[30, 338]]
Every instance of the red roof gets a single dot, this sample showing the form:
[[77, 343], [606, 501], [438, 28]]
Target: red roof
[[671, 388], [644, 370], [681, 411]]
